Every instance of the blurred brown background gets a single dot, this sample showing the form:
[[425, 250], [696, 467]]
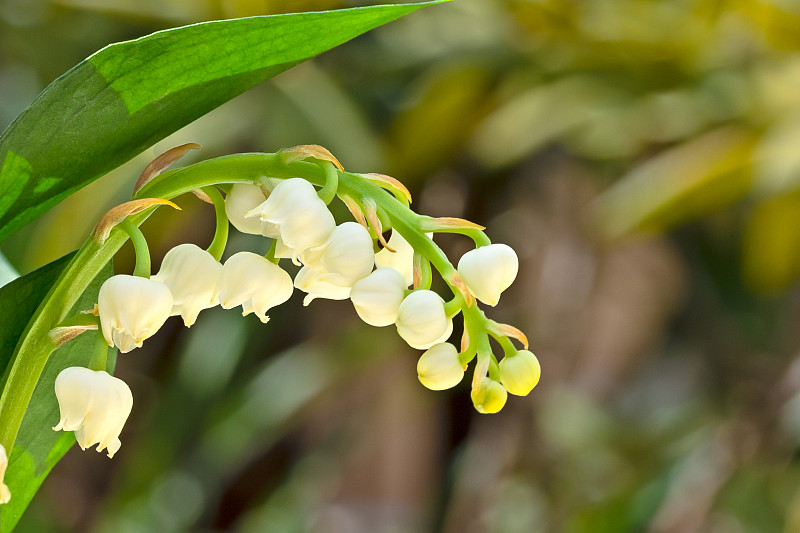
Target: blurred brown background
[[642, 158]]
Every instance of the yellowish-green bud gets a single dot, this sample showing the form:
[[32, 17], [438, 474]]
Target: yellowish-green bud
[[439, 367], [519, 373], [489, 396]]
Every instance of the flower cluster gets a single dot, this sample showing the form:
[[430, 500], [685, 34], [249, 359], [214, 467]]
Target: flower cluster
[[388, 283]]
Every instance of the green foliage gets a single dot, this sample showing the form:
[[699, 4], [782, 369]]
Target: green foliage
[[37, 449], [132, 94]]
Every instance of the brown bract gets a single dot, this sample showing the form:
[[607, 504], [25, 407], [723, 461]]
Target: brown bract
[[457, 281], [433, 224], [511, 331], [63, 334], [388, 182], [161, 163], [304, 151], [119, 213]]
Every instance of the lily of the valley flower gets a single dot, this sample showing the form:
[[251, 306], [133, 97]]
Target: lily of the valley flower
[[488, 271], [422, 321], [330, 270], [252, 281], [346, 257], [192, 275], [519, 373], [5, 494], [296, 213], [132, 309], [488, 396], [308, 280], [242, 198], [93, 404], [439, 367], [378, 296]]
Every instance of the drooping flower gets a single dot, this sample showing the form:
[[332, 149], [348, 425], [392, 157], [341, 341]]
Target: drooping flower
[[191, 274], [345, 257], [378, 296], [489, 396], [439, 367], [308, 280], [242, 198], [519, 373], [5, 494], [132, 309], [93, 404], [488, 271], [296, 213], [252, 281], [422, 321]]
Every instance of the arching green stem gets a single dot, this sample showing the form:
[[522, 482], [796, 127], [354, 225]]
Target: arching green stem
[[142, 268], [217, 246], [328, 191], [271, 252], [100, 358]]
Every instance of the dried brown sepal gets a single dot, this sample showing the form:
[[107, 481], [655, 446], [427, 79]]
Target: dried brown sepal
[[417, 271], [433, 224], [457, 281], [163, 162], [371, 211], [203, 196], [388, 182], [119, 213], [464, 340], [511, 331], [355, 210], [63, 334], [304, 151]]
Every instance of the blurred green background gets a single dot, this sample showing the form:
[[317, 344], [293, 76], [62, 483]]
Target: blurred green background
[[642, 157]]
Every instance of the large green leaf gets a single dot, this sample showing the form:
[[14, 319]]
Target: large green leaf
[[130, 95], [38, 448]]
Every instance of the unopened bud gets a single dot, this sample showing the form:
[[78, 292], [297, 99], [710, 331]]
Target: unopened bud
[[489, 396], [422, 321], [439, 367], [520, 372], [488, 271]]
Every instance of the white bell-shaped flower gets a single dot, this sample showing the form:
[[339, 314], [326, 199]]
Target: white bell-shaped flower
[[255, 283], [191, 274], [132, 309], [297, 212], [488, 271], [378, 296], [346, 257], [422, 321], [489, 396], [5, 494], [519, 373], [93, 404], [309, 281], [402, 259], [242, 198], [439, 367]]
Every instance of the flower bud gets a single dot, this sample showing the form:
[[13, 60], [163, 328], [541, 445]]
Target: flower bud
[[93, 404], [378, 296], [421, 320], [5, 494], [132, 309], [519, 373], [309, 281], [439, 367], [252, 281], [242, 198], [298, 212], [489, 396], [191, 274], [488, 271]]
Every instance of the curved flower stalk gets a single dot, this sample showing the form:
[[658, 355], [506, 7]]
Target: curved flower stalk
[[291, 208]]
